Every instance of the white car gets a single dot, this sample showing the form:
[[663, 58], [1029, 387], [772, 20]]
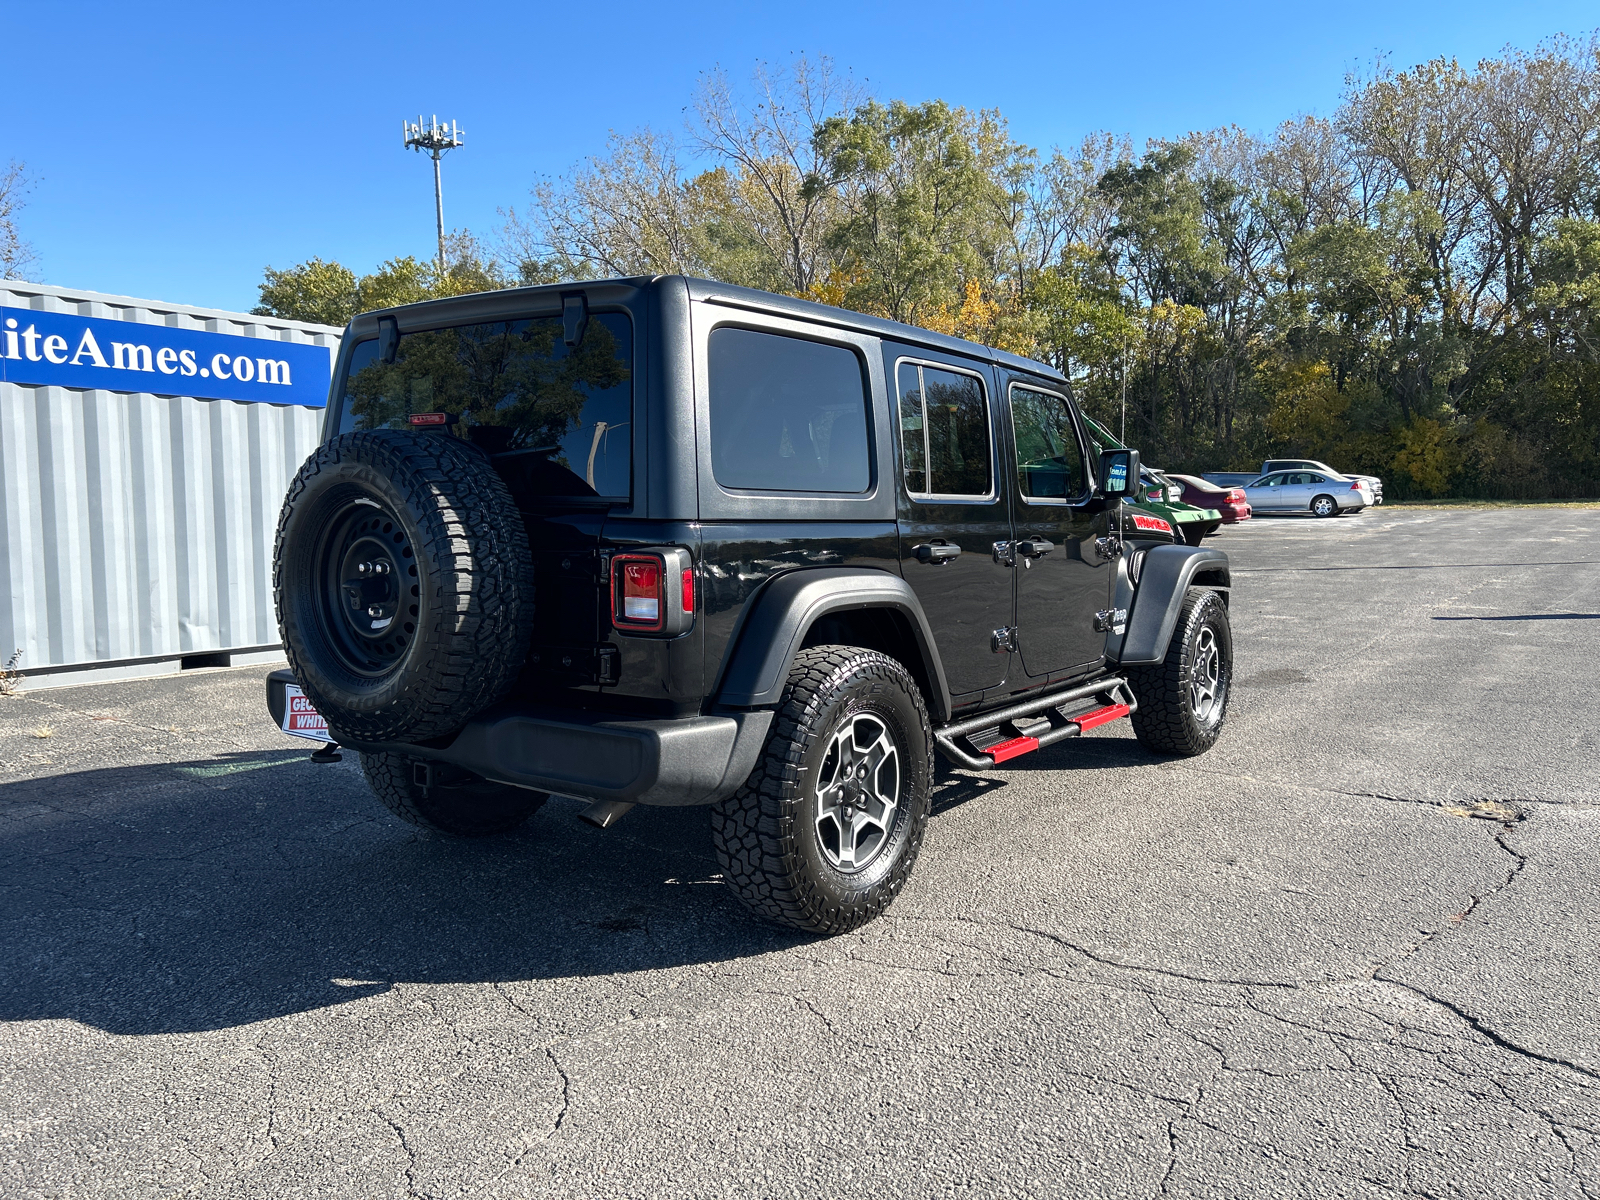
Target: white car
[[1321, 494]]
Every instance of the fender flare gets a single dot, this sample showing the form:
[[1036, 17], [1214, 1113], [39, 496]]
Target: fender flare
[[776, 619], [1166, 576]]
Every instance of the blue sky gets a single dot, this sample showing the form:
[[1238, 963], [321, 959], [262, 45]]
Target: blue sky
[[180, 148]]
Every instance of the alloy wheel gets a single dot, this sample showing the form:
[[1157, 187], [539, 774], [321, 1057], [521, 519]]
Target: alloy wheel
[[858, 793]]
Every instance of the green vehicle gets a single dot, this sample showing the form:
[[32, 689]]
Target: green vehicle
[[1161, 498]]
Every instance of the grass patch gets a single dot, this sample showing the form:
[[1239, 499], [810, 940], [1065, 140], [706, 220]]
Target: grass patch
[[1486, 504]]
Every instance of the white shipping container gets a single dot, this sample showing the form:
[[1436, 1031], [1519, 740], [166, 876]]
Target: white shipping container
[[136, 528]]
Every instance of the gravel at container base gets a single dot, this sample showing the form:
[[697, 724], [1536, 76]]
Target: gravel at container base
[[1350, 952]]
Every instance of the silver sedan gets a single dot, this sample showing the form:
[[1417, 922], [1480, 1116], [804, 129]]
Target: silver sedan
[[1323, 495]]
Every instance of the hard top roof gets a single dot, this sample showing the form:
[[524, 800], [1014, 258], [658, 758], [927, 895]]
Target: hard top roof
[[433, 313]]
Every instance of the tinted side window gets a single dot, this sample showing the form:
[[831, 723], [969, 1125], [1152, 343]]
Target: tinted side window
[[944, 433], [555, 419], [787, 415], [1049, 459]]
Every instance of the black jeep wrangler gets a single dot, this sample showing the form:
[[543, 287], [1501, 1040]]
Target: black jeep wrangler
[[665, 541]]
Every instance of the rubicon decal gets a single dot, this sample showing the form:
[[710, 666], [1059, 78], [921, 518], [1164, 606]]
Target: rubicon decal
[[128, 356], [1145, 521]]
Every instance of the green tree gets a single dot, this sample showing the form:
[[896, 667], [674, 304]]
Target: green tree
[[328, 293], [323, 293]]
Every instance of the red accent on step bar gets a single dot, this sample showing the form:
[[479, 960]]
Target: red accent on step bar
[[1100, 716], [1016, 746]]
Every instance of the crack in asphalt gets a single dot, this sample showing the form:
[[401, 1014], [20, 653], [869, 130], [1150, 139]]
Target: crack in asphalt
[[411, 1154], [566, 1090]]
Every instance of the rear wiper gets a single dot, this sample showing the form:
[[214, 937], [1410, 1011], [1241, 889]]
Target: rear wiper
[[528, 450]]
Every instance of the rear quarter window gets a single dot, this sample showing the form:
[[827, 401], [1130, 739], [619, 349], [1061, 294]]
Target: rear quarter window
[[787, 414]]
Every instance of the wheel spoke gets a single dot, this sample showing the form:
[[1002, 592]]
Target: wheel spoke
[[1204, 675]]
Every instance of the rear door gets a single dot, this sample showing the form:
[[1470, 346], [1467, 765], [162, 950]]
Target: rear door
[[955, 519], [1062, 581], [1298, 490]]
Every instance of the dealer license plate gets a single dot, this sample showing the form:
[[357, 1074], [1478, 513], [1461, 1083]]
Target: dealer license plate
[[300, 719]]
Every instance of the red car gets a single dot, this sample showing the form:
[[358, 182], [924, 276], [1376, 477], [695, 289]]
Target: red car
[[1202, 493]]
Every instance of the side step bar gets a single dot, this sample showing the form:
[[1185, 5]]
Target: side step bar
[[983, 742]]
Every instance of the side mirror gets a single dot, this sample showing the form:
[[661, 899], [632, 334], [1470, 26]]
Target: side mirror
[[388, 339], [1119, 472]]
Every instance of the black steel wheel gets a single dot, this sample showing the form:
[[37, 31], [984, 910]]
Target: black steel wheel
[[1183, 701], [824, 833], [368, 588], [403, 583]]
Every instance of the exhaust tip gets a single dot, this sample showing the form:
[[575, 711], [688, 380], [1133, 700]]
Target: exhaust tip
[[603, 814]]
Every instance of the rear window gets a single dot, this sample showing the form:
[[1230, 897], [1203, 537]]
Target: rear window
[[558, 420], [787, 415], [944, 432]]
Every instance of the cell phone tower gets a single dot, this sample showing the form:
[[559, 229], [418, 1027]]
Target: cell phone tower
[[435, 139]]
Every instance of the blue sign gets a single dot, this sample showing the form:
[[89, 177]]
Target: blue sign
[[126, 356]]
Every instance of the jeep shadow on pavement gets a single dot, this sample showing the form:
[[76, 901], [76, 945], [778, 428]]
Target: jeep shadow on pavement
[[670, 542]]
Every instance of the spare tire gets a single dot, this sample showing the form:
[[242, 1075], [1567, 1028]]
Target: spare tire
[[403, 584]]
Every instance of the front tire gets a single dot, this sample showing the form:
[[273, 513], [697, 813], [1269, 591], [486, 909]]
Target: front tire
[[1183, 701], [457, 803], [823, 835]]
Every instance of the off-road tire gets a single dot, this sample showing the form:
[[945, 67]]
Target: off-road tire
[[766, 833], [464, 595], [458, 804], [1330, 509], [1165, 720]]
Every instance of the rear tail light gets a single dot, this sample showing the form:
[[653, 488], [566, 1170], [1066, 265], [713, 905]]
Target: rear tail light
[[639, 587], [1237, 494], [652, 592], [1356, 486]]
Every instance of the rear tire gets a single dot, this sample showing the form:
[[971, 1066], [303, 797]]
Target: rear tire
[[458, 803], [1183, 701], [1325, 506], [823, 835]]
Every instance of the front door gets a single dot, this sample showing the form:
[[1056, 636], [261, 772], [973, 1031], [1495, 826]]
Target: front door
[[955, 522], [1270, 492], [1062, 580]]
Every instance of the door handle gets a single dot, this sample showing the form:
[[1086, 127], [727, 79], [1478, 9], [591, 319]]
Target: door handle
[[1035, 547], [935, 553]]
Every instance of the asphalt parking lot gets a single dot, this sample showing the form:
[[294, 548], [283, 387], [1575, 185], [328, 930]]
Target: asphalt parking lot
[[1351, 952]]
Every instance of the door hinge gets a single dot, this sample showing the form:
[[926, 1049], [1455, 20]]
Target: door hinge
[[1108, 547], [1004, 639], [1110, 620], [1005, 553]]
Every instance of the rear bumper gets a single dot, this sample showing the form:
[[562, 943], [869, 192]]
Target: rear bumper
[[677, 761]]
